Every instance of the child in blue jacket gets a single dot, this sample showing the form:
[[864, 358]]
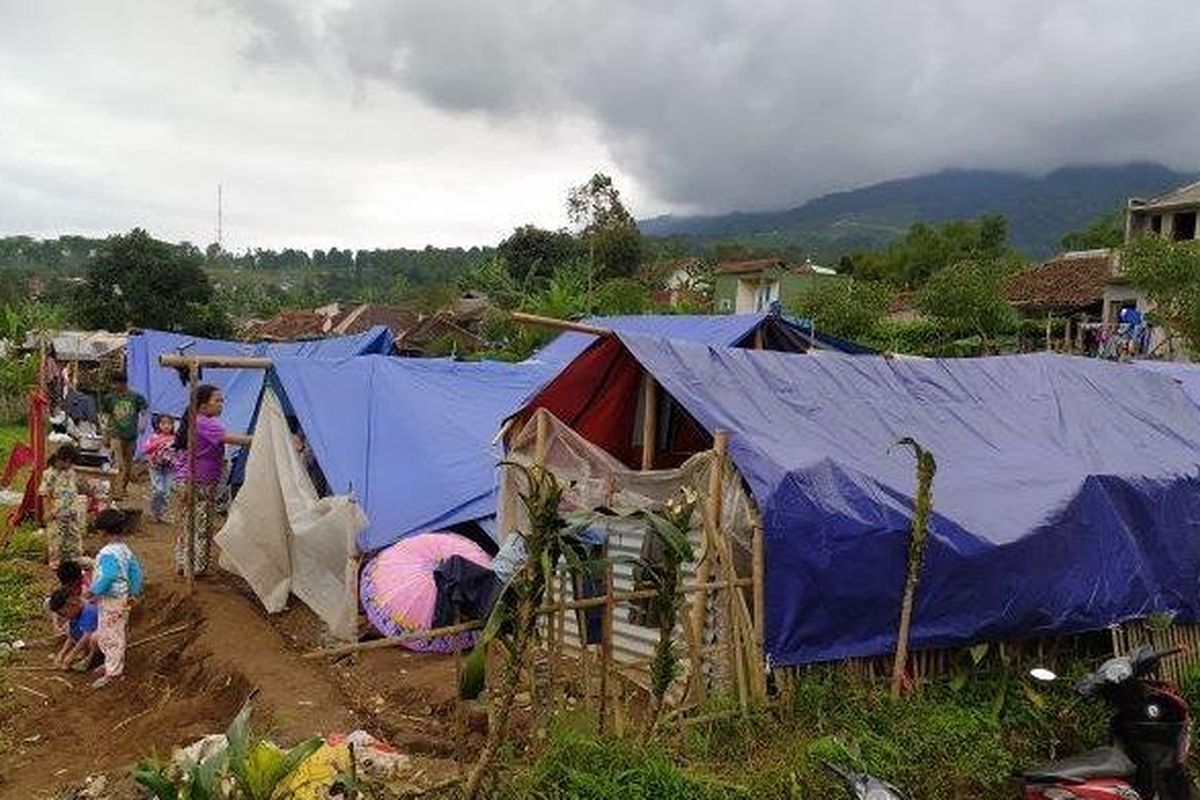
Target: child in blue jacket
[[117, 581]]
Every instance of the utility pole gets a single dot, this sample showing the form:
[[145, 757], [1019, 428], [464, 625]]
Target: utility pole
[[219, 220]]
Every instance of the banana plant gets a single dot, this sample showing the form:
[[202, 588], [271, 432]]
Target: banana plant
[[249, 767], [513, 620], [671, 528], [256, 764], [922, 510]]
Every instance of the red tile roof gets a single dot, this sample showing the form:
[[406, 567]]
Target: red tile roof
[[289, 325], [1072, 281], [362, 318]]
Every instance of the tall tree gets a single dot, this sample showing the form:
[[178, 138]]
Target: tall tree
[[609, 230], [532, 253], [845, 306], [1104, 231], [137, 281], [926, 249], [968, 298], [1169, 272]]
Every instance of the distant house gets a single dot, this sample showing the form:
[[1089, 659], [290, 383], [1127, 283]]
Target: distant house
[[413, 331], [747, 287], [1172, 215]]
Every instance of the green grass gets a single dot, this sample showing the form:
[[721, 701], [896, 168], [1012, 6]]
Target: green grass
[[18, 600], [19, 596], [10, 435], [959, 739]]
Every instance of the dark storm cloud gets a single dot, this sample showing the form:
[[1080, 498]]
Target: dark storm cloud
[[716, 104]]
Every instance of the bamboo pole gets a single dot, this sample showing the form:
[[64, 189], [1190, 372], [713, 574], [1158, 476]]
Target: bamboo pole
[[712, 509], [213, 362], [558, 324], [541, 443], [190, 538], [606, 640], [760, 608], [352, 567], [758, 338], [649, 420]]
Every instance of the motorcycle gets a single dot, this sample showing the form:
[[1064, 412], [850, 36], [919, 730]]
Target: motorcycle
[[1151, 735], [865, 787]]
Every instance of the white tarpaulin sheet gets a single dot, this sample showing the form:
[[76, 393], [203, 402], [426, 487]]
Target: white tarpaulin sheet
[[282, 538]]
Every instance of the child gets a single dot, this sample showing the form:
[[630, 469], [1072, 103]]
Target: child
[[74, 577], [80, 620], [60, 487], [117, 581], [160, 452]]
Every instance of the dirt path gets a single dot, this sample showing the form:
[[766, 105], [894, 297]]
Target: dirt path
[[301, 696], [56, 731]]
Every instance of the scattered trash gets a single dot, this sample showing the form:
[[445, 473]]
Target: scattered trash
[[199, 750], [32, 739], [306, 703], [94, 786], [373, 759], [10, 498], [18, 644]]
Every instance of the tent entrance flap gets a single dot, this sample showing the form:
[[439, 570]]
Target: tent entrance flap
[[282, 539]]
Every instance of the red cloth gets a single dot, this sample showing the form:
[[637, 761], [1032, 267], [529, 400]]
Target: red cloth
[[20, 458], [31, 504]]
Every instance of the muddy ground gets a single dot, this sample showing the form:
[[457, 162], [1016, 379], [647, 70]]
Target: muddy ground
[[206, 651]]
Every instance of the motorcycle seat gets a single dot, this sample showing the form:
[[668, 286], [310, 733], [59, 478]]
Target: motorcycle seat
[[1103, 762]]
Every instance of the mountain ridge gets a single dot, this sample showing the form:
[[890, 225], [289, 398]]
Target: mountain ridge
[[1039, 208]]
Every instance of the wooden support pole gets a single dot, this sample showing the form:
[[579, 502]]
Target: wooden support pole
[[571, 605], [190, 538], [213, 362], [649, 420], [758, 338], [558, 324], [1049, 328]]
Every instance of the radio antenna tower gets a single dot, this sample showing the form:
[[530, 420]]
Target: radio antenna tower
[[219, 220]]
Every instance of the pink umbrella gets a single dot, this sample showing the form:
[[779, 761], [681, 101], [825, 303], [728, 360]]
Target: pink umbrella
[[399, 593]]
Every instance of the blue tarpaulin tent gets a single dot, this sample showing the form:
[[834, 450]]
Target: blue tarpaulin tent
[[167, 395], [411, 438], [1185, 373], [1067, 496], [732, 330]]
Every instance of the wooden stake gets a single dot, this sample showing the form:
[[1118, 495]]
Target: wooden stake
[[190, 541], [649, 420]]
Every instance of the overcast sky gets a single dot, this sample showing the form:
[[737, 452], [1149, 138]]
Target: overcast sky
[[369, 123]]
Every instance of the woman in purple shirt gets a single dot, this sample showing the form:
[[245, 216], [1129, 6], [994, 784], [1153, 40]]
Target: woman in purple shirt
[[211, 438]]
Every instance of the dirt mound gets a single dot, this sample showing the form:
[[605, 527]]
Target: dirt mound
[[172, 693]]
